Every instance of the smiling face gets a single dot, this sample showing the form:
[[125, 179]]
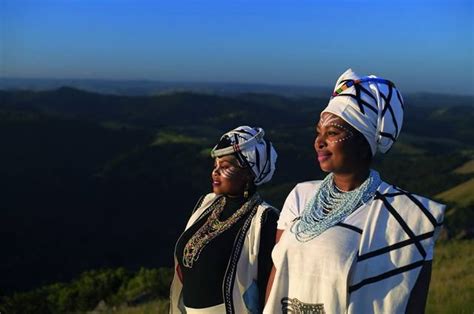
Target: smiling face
[[228, 177], [339, 147]]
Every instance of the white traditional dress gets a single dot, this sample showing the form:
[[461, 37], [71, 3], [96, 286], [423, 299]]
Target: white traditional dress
[[368, 263]]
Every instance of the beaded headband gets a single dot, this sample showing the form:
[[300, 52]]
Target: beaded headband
[[351, 83]]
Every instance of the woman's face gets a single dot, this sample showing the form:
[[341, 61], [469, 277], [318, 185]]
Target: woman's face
[[228, 177], [338, 145]]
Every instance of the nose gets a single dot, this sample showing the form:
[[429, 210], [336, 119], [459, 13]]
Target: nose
[[319, 142]]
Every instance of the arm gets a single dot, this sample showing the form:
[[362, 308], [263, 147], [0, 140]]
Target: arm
[[267, 241], [288, 213], [272, 273], [418, 296]]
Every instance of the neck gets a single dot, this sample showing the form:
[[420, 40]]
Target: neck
[[234, 197], [239, 196], [350, 181]]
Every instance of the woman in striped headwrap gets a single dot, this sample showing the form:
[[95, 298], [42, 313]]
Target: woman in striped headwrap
[[352, 242], [222, 260]]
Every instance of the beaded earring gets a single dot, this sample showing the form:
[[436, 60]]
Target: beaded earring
[[246, 190]]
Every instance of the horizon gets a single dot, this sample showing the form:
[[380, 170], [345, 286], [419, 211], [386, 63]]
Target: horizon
[[423, 46], [249, 84]]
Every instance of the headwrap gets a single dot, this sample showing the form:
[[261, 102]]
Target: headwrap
[[251, 150], [372, 105]]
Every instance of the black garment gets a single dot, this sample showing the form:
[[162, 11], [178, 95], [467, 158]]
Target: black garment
[[267, 242], [202, 284]]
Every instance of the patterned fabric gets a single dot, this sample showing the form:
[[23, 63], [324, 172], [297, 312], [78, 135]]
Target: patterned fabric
[[295, 306], [372, 105], [242, 272], [375, 255], [252, 150]]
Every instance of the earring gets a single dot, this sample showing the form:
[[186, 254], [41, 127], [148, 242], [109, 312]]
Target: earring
[[246, 191]]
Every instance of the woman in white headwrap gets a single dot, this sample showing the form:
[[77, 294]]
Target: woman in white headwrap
[[352, 242], [223, 258]]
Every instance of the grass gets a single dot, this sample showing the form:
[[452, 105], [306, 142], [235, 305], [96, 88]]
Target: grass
[[153, 307], [169, 137], [451, 288], [407, 148], [467, 168], [452, 280], [461, 195]]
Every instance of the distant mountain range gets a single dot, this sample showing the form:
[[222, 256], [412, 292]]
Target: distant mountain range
[[155, 88], [149, 87]]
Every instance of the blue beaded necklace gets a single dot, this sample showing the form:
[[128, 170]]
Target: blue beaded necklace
[[330, 206]]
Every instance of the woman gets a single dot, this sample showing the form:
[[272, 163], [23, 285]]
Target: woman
[[223, 258], [351, 242]]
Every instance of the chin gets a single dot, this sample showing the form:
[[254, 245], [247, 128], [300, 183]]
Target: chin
[[325, 168], [217, 190]]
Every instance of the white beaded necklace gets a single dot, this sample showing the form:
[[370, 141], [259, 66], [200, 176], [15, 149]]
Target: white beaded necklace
[[330, 206]]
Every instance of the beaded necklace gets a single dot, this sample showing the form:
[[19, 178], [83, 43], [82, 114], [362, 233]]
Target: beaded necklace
[[330, 206], [214, 227]]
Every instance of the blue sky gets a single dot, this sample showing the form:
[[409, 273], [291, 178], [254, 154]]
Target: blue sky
[[420, 45]]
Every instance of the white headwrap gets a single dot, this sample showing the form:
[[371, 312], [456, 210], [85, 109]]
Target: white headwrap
[[251, 150], [372, 105]]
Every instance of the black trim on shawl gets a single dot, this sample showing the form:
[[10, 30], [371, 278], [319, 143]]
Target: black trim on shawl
[[268, 223], [395, 246], [420, 206], [413, 239], [229, 277], [198, 204], [402, 222], [351, 227], [386, 275]]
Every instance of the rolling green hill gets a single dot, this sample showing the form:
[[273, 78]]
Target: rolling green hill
[[92, 181], [467, 168], [461, 195]]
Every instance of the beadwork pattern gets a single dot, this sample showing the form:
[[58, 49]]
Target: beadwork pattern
[[330, 206], [213, 227], [295, 306]]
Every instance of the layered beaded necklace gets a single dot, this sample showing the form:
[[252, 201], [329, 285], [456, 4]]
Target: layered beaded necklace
[[214, 227], [330, 206]]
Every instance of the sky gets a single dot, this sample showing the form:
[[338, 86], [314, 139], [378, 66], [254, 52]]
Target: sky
[[421, 45]]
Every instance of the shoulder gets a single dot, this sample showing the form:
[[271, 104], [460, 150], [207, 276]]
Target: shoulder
[[296, 201], [302, 192], [306, 187], [267, 211], [208, 197], [405, 201], [203, 201]]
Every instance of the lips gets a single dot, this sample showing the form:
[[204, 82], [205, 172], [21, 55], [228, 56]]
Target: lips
[[323, 156]]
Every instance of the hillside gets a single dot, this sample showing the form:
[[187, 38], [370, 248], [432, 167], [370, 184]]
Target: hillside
[[93, 180], [461, 195]]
